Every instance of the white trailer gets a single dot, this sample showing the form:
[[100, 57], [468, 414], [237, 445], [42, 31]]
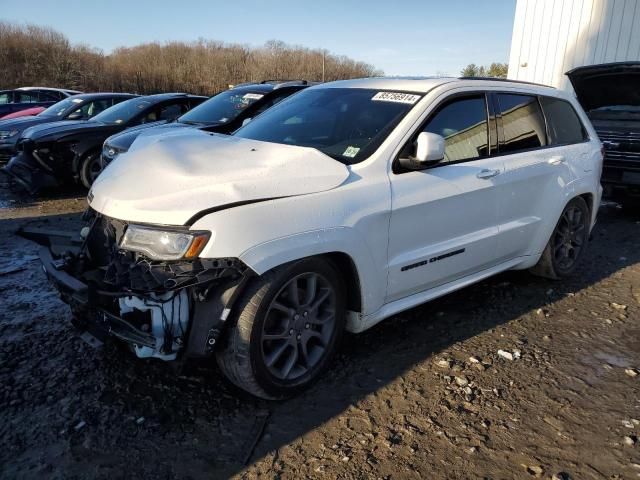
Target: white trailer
[[550, 37]]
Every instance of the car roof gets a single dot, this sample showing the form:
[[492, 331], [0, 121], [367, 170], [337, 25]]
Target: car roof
[[158, 97], [269, 85], [86, 96], [423, 84], [49, 89]]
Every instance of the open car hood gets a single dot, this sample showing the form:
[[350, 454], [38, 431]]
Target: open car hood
[[169, 179], [607, 84]]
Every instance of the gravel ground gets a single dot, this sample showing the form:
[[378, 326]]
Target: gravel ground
[[515, 377]]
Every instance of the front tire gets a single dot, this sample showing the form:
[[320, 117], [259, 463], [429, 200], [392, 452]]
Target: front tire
[[90, 168], [287, 331], [567, 243]]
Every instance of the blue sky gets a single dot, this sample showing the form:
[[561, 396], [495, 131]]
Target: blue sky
[[402, 38]]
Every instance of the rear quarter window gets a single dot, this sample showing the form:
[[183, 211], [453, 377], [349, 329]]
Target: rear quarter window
[[563, 123]]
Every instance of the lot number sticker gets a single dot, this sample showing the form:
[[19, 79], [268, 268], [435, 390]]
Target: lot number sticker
[[396, 97], [351, 152]]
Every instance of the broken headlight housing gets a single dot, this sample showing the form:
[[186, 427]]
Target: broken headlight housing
[[164, 244]]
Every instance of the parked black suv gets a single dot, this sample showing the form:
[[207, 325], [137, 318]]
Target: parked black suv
[[77, 107], [610, 94], [27, 97], [62, 152], [222, 113]]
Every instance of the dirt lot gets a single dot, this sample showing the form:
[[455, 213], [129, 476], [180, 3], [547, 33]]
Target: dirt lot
[[424, 395]]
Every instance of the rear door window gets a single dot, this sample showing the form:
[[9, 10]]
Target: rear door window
[[523, 125], [27, 97], [48, 96], [563, 123]]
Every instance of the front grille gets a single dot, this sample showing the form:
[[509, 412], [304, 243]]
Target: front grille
[[622, 149]]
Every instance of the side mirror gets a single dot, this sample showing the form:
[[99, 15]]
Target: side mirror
[[429, 151], [245, 121], [75, 116]]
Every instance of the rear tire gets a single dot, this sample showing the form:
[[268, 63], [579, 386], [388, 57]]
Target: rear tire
[[90, 168], [288, 326], [567, 243]]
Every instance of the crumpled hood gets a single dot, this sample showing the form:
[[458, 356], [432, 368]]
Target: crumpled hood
[[607, 84], [171, 178]]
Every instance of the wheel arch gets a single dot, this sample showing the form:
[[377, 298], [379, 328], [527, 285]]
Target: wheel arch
[[341, 246], [346, 266], [80, 156]]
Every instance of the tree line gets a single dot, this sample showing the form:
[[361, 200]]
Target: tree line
[[497, 70], [42, 56]]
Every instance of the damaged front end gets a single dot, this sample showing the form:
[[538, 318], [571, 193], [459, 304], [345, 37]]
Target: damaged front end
[[38, 166], [161, 308]]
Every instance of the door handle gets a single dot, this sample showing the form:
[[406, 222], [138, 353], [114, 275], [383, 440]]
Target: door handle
[[558, 160], [486, 173]]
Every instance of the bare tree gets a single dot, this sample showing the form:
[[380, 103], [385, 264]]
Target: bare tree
[[33, 55]]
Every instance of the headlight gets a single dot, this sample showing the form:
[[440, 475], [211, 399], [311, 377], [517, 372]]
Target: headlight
[[8, 133], [160, 244], [110, 153]]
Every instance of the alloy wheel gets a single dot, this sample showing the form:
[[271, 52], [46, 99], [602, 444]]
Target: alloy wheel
[[94, 167], [569, 238], [298, 326]]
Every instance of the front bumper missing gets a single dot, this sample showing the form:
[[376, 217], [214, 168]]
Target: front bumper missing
[[159, 322], [76, 293]]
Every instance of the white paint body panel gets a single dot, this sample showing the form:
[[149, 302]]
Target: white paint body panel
[[551, 37], [382, 221], [168, 179]]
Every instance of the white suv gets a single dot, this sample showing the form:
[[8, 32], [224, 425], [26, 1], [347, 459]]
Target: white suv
[[343, 205]]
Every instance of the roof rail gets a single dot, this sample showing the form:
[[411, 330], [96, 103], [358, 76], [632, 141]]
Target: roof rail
[[498, 79], [276, 83]]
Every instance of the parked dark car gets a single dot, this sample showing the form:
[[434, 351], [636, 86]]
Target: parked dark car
[[610, 94], [222, 113], [68, 151], [29, 97], [78, 107]]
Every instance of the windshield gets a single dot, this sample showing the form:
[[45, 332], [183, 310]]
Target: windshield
[[58, 109], [221, 108], [348, 124], [122, 112]]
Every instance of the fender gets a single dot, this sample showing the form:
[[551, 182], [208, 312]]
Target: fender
[[80, 148], [578, 187], [270, 254]]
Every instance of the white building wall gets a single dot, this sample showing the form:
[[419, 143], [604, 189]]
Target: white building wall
[[550, 37]]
